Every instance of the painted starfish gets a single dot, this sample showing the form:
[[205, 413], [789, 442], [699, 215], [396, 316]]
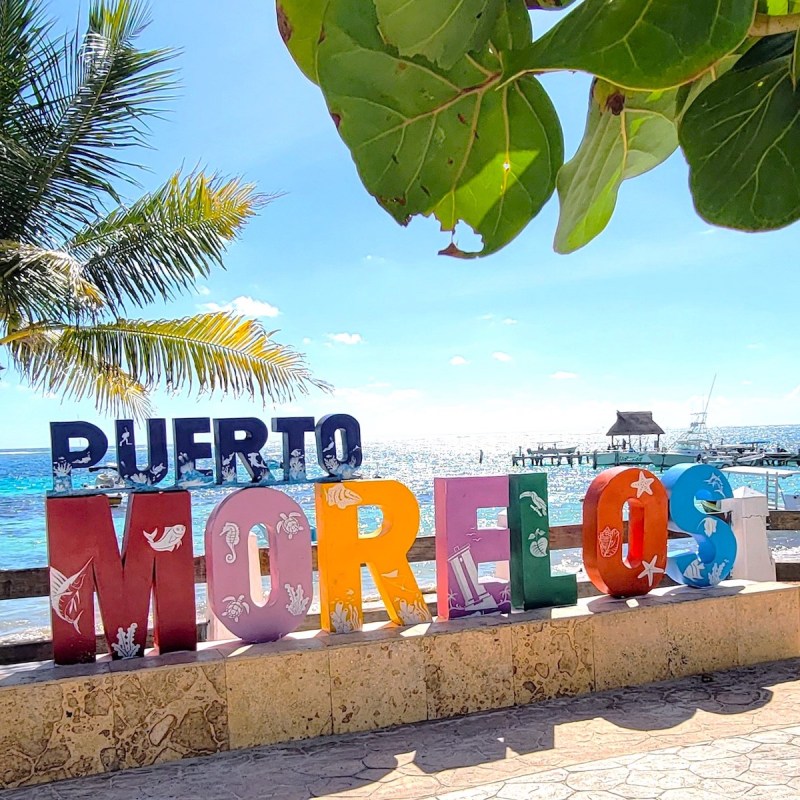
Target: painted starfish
[[649, 570], [643, 486]]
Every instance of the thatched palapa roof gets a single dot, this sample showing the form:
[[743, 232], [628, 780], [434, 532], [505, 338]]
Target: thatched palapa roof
[[634, 423]]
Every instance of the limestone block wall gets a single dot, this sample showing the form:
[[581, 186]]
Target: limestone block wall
[[62, 722]]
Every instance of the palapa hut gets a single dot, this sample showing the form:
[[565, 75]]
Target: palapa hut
[[634, 423]]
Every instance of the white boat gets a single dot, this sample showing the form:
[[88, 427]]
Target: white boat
[[109, 478], [551, 449], [693, 445], [629, 424]]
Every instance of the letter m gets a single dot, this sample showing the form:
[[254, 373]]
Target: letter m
[[156, 560]]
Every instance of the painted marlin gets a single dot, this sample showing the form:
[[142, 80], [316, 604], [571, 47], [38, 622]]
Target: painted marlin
[[65, 594], [170, 541]]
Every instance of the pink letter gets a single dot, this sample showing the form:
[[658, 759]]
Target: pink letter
[[228, 570], [461, 546]]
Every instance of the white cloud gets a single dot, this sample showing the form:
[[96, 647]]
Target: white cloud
[[307, 340], [486, 317], [203, 291], [564, 376], [247, 306], [509, 321], [458, 361], [795, 393], [346, 338], [370, 259], [748, 383], [500, 356]]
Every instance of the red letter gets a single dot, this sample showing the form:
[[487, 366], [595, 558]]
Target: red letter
[[156, 558]]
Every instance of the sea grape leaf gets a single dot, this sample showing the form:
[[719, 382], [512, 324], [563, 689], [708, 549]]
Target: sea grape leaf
[[443, 32], [766, 49], [627, 134], [778, 8], [461, 144], [741, 138], [689, 92], [795, 63], [548, 5], [643, 44], [300, 26]]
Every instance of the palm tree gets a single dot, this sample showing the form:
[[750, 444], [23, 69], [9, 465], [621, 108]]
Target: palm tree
[[74, 256]]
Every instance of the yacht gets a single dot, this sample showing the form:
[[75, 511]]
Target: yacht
[[693, 445]]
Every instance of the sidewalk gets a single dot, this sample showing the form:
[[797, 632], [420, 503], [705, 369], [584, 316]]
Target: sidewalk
[[721, 737]]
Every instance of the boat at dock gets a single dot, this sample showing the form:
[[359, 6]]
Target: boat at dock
[[548, 453], [693, 445], [621, 450]]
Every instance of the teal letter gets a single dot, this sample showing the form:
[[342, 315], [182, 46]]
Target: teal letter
[[532, 584]]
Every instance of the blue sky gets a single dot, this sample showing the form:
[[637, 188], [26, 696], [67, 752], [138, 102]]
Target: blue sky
[[525, 340]]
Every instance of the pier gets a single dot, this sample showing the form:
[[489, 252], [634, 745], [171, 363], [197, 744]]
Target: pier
[[544, 458]]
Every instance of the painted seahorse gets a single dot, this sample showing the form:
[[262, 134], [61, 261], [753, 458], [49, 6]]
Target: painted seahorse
[[230, 530]]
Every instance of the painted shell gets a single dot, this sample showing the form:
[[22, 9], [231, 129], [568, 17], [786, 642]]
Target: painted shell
[[609, 541], [341, 497]]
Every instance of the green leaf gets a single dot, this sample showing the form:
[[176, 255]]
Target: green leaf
[[643, 44], [451, 29], [300, 26], [548, 5], [459, 144], [627, 134], [777, 8], [741, 138], [766, 49], [689, 92], [795, 64]]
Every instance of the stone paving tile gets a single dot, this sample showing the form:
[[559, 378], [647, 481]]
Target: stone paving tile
[[725, 736]]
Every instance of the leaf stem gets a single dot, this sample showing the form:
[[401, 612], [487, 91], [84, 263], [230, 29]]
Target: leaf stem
[[767, 25]]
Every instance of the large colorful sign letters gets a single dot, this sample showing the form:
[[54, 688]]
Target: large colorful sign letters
[[627, 513]]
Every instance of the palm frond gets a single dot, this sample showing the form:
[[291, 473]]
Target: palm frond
[[38, 284], [88, 101], [22, 30], [213, 352], [48, 362], [166, 240]]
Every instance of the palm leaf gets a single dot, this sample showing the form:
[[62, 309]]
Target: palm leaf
[[38, 284], [214, 352], [22, 31], [165, 241], [88, 101], [46, 362]]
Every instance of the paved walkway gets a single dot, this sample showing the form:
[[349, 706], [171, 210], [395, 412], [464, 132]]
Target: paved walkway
[[720, 737]]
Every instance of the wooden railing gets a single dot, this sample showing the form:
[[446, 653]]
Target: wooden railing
[[28, 583]]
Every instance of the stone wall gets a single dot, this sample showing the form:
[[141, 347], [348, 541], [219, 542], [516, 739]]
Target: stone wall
[[61, 722]]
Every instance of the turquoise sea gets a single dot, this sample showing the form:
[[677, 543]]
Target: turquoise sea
[[25, 477]]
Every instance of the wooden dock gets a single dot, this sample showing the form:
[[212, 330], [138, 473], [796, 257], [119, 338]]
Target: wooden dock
[[545, 459]]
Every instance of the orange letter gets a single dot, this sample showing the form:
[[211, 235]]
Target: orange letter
[[341, 552], [643, 567]]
